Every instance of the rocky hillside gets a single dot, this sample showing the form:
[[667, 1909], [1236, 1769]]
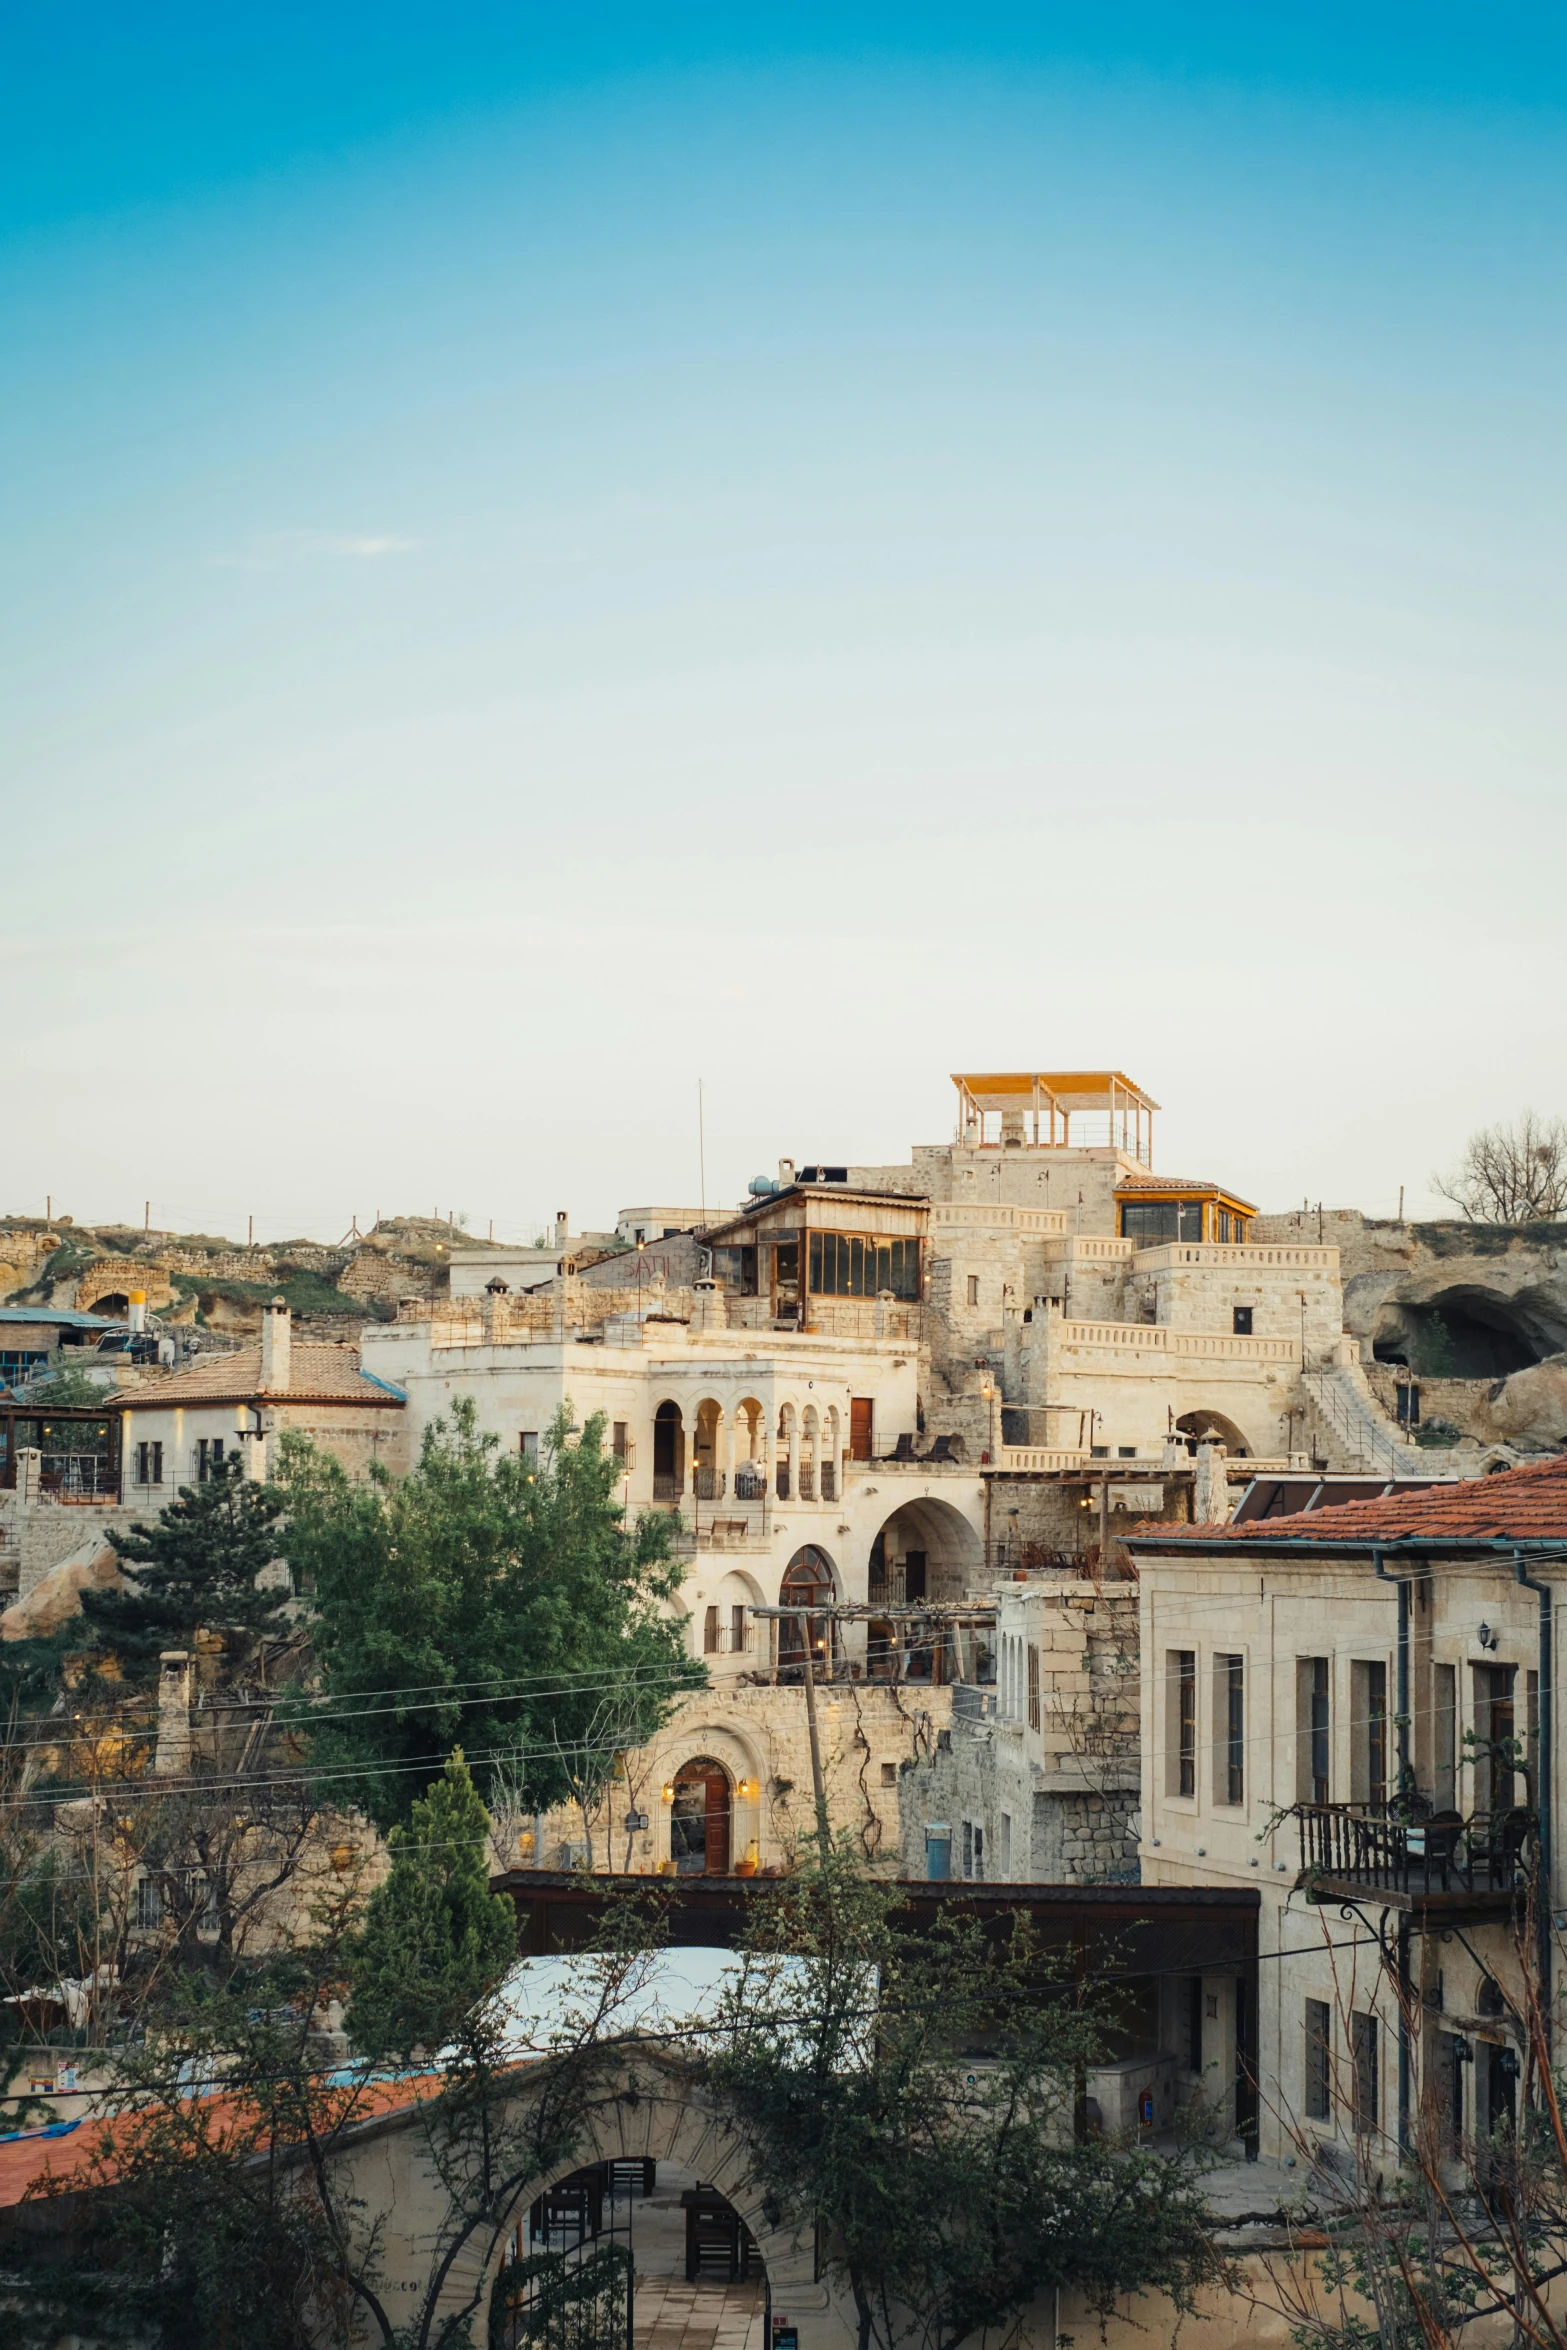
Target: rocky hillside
[[1475, 1313], [218, 1284]]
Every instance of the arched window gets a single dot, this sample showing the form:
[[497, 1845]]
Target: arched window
[[809, 1582]]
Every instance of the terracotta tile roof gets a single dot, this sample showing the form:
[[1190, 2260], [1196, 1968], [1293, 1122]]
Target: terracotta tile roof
[[64, 2155], [1169, 1183], [1514, 1505], [316, 1374]]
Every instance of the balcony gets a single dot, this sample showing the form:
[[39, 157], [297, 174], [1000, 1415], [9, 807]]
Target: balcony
[[1358, 1851]]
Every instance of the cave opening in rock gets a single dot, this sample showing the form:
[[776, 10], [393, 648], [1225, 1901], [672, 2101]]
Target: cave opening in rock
[[1462, 1333]]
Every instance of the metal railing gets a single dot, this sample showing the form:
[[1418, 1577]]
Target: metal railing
[[1363, 1845], [1382, 1452]]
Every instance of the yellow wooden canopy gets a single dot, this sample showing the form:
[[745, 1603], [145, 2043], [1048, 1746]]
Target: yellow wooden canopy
[[1054, 1095]]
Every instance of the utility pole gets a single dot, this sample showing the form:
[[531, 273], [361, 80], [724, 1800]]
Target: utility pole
[[819, 1785]]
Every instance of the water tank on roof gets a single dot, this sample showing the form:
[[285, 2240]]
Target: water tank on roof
[[763, 1187]]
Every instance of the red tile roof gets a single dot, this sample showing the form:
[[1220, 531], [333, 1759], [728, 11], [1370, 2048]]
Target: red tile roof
[[1514, 1505]]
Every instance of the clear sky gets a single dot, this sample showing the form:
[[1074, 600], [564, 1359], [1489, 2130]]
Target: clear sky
[[550, 552]]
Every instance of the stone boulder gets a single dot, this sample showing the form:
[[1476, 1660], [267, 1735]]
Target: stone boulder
[[1530, 1408], [58, 1596]]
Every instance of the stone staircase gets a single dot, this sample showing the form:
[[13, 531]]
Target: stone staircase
[[1354, 1433]]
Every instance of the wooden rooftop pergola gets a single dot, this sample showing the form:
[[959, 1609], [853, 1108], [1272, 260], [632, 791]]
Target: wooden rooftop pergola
[[1055, 1095]]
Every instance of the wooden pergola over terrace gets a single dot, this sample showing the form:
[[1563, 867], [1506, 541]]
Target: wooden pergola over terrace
[[1021, 1097]]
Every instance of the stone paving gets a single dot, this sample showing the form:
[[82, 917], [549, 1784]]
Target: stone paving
[[670, 2314]]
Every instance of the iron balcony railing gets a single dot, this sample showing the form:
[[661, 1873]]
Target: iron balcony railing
[[1366, 1846]]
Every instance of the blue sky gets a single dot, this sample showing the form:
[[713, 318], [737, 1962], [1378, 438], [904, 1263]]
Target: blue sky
[[549, 553]]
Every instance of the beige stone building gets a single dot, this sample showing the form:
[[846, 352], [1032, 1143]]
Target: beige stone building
[[877, 1395], [1352, 1709], [173, 1430]]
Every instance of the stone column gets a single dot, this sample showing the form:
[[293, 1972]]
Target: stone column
[[29, 1474], [794, 1456], [723, 1455]]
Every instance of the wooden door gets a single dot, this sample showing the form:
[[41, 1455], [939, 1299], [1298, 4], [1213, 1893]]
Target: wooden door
[[717, 1825], [861, 1410]]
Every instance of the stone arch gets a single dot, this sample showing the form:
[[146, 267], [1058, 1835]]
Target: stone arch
[[925, 1549], [656, 2115], [750, 1447], [1206, 1422], [701, 1816], [707, 1448], [669, 1451], [810, 1580], [114, 1305]]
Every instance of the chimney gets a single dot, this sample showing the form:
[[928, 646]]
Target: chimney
[[171, 1756], [785, 1173], [1211, 1486], [562, 1226], [275, 1348], [138, 1313]]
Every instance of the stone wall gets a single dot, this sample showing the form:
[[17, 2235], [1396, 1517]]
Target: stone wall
[[760, 1735]]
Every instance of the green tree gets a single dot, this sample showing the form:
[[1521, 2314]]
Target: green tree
[[436, 1939], [71, 1390], [194, 1569], [500, 1597], [911, 2093]]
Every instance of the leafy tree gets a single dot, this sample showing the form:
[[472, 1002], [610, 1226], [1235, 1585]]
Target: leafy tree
[[912, 2095], [69, 1390], [194, 1569], [497, 1595], [435, 1937]]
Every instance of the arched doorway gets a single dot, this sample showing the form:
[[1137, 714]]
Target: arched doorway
[[699, 1819], [809, 1582], [1197, 1425], [114, 1307], [669, 1453]]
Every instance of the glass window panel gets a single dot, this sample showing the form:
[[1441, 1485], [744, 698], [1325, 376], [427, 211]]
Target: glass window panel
[[883, 1267], [816, 1264], [856, 1268]]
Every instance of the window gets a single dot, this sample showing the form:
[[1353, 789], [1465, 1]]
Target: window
[[528, 1446], [735, 1269], [1151, 1222], [620, 1439], [737, 1629], [973, 1289], [1099, 1452], [1181, 1677], [1034, 1710], [1368, 1732], [1450, 2091], [1313, 1729], [149, 1464], [209, 1457], [844, 1264], [889, 1774], [710, 1633], [1407, 1398], [1222, 1220], [1229, 1673], [1444, 1735], [1005, 1845], [1363, 2050], [149, 1904], [1318, 2076], [1242, 1320], [1126, 1452], [973, 1852], [1494, 1733]]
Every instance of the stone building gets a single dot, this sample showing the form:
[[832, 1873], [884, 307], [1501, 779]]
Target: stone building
[[174, 1430], [876, 1396], [1351, 1708]]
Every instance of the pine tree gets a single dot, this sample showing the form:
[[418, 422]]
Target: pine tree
[[435, 1937], [195, 1568]]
